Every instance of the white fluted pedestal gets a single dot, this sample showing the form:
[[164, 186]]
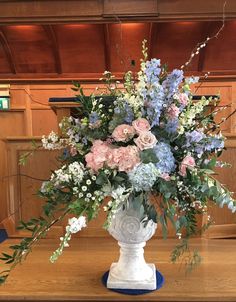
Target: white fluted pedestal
[[131, 271]]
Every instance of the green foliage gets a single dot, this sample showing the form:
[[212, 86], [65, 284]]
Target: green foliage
[[24, 157], [148, 156]]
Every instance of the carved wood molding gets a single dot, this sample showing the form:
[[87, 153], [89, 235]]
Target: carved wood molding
[[8, 52], [51, 11]]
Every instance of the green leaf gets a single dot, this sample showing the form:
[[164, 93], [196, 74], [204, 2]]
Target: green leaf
[[6, 256], [148, 156], [3, 279], [101, 178], [164, 226]]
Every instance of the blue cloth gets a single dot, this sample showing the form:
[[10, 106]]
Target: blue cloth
[[160, 281], [3, 235]]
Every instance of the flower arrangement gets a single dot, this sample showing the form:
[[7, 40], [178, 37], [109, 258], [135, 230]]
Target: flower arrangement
[[148, 139]]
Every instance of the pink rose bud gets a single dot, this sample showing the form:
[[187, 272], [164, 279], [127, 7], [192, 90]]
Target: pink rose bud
[[187, 162]]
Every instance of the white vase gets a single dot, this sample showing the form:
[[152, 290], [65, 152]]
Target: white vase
[[131, 271]]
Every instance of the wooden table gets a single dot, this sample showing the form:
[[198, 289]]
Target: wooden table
[[77, 274]]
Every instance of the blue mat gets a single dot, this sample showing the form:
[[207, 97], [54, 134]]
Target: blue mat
[[160, 281], [3, 235]]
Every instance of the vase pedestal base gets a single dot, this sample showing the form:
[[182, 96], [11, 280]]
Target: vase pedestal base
[[145, 284]]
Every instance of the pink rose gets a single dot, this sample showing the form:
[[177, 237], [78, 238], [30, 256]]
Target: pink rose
[[141, 125], [187, 162], [173, 111], [98, 155], [183, 99], [123, 133], [129, 159], [146, 140]]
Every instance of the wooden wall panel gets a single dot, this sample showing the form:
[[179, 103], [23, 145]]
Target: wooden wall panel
[[18, 96], [224, 90], [226, 176], [24, 182], [44, 121], [41, 93], [11, 123], [38, 167], [3, 182]]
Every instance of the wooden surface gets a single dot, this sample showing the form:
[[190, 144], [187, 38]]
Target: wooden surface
[[76, 276]]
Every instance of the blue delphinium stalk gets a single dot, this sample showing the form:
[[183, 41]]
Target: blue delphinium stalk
[[155, 104], [194, 137], [151, 91], [166, 160], [153, 70], [93, 117], [214, 143], [129, 114], [143, 177], [124, 111], [172, 125], [171, 84]]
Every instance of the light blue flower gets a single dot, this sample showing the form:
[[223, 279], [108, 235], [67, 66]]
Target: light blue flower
[[214, 143], [172, 83], [172, 125], [93, 117], [143, 177], [194, 137], [166, 160]]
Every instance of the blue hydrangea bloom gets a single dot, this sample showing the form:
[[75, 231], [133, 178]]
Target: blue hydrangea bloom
[[143, 177], [166, 160]]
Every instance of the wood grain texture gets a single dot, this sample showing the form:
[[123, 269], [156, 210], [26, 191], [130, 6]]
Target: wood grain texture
[[85, 50], [77, 274]]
